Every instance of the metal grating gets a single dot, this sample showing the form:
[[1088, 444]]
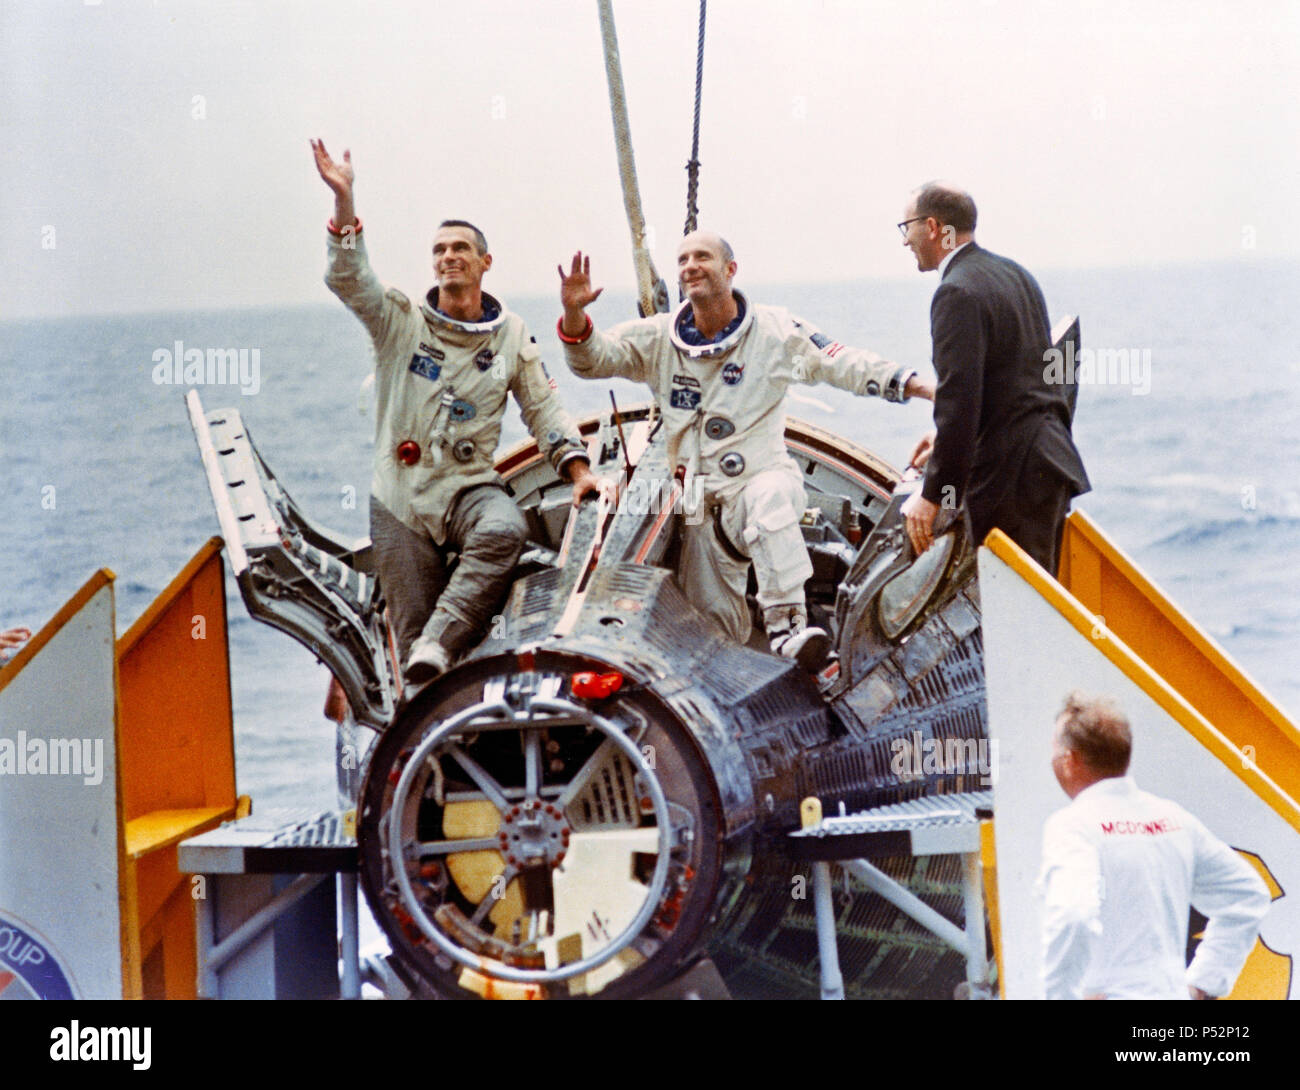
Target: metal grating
[[609, 800], [932, 810], [325, 830], [539, 592], [769, 949]]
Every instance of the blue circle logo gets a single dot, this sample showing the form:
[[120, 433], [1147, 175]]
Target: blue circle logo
[[29, 968]]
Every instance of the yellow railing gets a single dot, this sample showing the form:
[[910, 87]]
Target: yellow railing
[[1106, 582]]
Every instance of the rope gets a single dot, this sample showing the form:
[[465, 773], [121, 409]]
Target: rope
[[693, 167]]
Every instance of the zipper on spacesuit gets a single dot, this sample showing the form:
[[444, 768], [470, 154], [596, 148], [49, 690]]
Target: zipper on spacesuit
[[686, 472], [438, 437]]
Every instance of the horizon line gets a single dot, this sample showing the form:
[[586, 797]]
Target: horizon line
[[631, 290]]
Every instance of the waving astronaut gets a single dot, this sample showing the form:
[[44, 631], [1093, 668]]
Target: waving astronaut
[[719, 369], [442, 373]]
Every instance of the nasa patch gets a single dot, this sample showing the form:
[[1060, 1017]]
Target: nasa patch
[[29, 968], [484, 359], [425, 367], [732, 373], [684, 399]]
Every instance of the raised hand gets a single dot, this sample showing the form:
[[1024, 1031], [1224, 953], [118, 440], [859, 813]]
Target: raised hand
[[576, 293], [338, 176]]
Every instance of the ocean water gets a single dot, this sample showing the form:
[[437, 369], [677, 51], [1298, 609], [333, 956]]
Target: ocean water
[[1193, 460]]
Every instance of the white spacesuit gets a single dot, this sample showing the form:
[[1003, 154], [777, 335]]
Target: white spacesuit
[[440, 393], [441, 384], [1120, 869], [723, 408]]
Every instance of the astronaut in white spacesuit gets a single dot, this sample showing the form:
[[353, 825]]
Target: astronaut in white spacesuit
[[443, 369], [1120, 870], [719, 368]]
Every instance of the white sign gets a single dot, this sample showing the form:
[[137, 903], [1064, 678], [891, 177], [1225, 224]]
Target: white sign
[[59, 918], [1033, 656]]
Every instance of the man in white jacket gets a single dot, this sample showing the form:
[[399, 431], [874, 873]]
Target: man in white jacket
[[1121, 869], [719, 368], [442, 372]]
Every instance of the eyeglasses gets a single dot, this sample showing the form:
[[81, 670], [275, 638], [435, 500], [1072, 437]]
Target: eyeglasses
[[902, 227]]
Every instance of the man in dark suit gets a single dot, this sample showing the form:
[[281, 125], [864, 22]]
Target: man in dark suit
[[1002, 443]]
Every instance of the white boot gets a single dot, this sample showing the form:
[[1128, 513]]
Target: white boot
[[791, 638], [428, 659]]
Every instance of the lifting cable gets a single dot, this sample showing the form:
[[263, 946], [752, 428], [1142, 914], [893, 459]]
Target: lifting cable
[[693, 167]]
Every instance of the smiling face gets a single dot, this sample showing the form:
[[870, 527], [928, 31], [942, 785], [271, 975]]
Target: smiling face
[[703, 271], [922, 237], [457, 264]]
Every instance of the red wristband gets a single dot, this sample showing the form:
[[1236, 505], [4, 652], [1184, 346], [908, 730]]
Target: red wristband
[[559, 328], [337, 232]]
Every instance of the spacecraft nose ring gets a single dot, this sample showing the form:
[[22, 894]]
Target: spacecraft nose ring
[[525, 826]]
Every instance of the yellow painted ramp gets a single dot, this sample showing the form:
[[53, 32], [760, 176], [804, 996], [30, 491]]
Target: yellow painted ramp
[[1110, 585], [1205, 735]]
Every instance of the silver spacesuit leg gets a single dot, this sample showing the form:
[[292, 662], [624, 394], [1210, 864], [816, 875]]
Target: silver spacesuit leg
[[488, 530], [411, 572], [762, 520], [714, 582]]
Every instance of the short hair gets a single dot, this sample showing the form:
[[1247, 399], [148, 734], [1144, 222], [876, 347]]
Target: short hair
[[951, 207], [1098, 731], [480, 239]]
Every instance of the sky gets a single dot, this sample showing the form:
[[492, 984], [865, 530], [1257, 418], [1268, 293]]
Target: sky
[[156, 153]]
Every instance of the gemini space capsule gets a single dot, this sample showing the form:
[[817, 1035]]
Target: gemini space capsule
[[597, 800]]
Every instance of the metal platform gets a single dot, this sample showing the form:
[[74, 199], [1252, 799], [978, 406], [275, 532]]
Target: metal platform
[[935, 825], [267, 913], [274, 841]]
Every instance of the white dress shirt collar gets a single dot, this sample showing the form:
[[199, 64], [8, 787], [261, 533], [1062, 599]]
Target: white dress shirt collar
[[951, 254]]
